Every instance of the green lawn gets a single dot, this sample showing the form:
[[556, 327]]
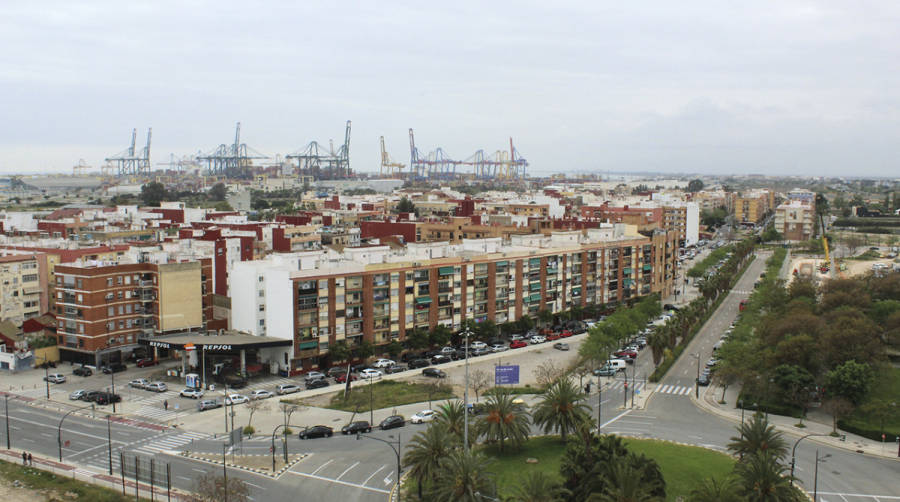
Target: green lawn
[[37, 479], [885, 388], [390, 393], [699, 270], [683, 467]]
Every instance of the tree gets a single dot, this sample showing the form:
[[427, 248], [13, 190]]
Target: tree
[[405, 205], [259, 204], [626, 483], [439, 336], [695, 185], [209, 487], [394, 349], [795, 385], [504, 420], [525, 323], [850, 381], [339, 351], [464, 477], [537, 487], [762, 478], [758, 436], [545, 317], [838, 408], [424, 453], [711, 490], [879, 410], [218, 192], [586, 468], [771, 235], [417, 339], [364, 350], [479, 380], [223, 206], [561, 408], [547, 372], [451, 415], [254, 406], [153, 193]]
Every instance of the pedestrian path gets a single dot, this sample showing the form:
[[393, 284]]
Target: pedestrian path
[[158, 413], [619, 384], [676, 390], [171, 442]]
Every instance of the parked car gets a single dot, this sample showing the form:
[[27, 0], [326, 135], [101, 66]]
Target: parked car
[[517, 344], [145, 362], [449, 351], [260, 394], [78, 394], [354, 427], [552, 337], [232, 399], [440, 359], [419, 363], [114, 368], [434, 373], [480, 351], [369, 373], [55, 378], [343, 378], [712, 362], [627, 354], [314, 375], [565, 333], [208, 404], [561, 346], [477, 345], [104, 398], [316, 431], [515, 337], [384, 363], [606, 371], [139, 383], [392, 422], [397, 368], [499, 347], [83, 371], [157, 387], [191, 393], [334, 371], [289, 388], [422, 417], [703, 379], [91, 395], [536, 339], [316, 384]]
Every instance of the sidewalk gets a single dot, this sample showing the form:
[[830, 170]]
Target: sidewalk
[[709, 402]]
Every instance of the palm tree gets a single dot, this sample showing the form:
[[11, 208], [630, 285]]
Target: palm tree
[[537, 487], [452, 415], [561, 408], [762, 479], [425, 452], [625, 484], [504, 420], [658, 342], [758, 436], [716, 491], [463, 477]]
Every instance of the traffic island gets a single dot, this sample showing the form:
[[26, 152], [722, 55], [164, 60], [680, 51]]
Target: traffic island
[[259, 463]]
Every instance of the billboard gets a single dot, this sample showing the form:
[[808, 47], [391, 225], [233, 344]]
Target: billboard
[[506, 375]]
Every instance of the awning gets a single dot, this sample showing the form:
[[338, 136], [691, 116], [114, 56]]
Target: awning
[[422, 300], [445, 271], [534, 298], [308, 345], [502, 263]]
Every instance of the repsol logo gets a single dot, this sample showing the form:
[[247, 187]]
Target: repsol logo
[[218, 347]]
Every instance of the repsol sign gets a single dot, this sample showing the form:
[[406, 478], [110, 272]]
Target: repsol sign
[[217, 347], [162, 345]]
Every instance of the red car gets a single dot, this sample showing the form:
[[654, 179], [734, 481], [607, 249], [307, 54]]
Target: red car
[[517, 344], [143, 363], [629, 354], [565, 334], [552, 336], [342, 378]]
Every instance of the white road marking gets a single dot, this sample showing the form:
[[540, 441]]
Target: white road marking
[[617, 417], [862, 495], [373, 474], [347, 470], [322, 478], [321, 466], [254, 486]]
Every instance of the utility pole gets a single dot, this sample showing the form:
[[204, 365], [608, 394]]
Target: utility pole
[[112, 391], [109, 442], [8, 447], [225, 471], [599, 403], [465, 399]]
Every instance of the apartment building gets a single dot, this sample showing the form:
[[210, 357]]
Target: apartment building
[[23, 287], [796, 219], [752, 207], [103, 309], [501, 280]]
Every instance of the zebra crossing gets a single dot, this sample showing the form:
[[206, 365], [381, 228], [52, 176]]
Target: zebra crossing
[[171, 442], [158, 413], [620, 384], [675, 390]]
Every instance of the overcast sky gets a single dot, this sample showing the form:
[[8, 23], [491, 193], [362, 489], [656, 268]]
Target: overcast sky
[[781, 87]]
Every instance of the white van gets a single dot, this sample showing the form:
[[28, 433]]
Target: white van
[[617, 364]]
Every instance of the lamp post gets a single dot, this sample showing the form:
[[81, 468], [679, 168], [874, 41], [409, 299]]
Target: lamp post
[[794, 453], [816, 475], [465, 398], [6, 398], [396, 451], [59, 429], [599, 403], [225, 471], [109, 442], [697, 381], [112, 388]]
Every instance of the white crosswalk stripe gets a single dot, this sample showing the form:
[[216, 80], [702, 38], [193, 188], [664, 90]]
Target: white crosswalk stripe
[[158, 413], [172, 442], [675, 390]]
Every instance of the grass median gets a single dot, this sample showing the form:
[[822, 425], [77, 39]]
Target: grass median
[[390, 393], [699, 270], [55, 487]]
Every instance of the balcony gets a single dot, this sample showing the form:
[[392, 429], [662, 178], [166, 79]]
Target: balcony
[[303, 304]]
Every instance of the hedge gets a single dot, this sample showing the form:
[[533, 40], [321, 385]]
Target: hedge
[[873, 434]]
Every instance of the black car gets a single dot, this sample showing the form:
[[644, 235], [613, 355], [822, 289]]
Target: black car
[[354, 427], [669, 306], [392, 422], [703, 380], [434, 373], [440, 359], [397, 368], [317, 384], [419, 363], [105, 398], [83, 371], [409, 356], [91, 395], [316, 431], [114, 368], [356, 368]]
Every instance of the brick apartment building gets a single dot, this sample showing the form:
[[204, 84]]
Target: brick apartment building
[[379, 303], [102, 310]]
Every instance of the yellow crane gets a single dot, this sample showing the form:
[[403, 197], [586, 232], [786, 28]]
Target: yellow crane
[[81, 168], [388, 166], [827, 266]]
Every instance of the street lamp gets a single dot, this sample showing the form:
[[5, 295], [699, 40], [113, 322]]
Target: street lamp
[[6, 398], [794, 453], [697, 381], [465, 397], [396, 451], [59, 429], [109, 442], [816, 475]]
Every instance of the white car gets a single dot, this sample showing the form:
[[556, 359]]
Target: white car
[[157, 386], [315, 375], [260, 394], [232, 399], [536, 339], [513, 338], [140, 383], [422, 417], [499, 347], [369, 373], [287, 388], [384, 363], [191, 393], [55, 378], [477, 345]]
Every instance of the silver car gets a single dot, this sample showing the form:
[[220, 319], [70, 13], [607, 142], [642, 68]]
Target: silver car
[[78, 394]]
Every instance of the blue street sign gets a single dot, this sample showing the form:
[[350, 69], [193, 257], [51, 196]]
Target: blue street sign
[[506, 375]]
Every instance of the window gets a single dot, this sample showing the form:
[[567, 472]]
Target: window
[[109, 282], [127, 279], [260, 278], [119, 280], [262, 293], [262, 322], [110, 311], [128, 308], [29, 278], [79, 283], [262, 308]]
